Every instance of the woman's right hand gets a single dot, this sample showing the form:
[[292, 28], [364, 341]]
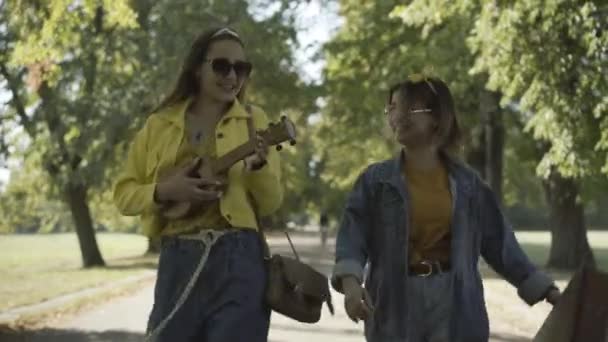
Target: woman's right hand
[[182, 187], [357, 301]]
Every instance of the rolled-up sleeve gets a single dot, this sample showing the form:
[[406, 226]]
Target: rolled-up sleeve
[[352, 239], [502, 252]]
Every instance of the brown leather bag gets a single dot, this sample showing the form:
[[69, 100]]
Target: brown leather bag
[[581, 313], [294, 289]]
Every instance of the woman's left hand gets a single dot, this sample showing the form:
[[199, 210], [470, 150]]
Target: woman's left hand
[[553, 296], [258, 159]]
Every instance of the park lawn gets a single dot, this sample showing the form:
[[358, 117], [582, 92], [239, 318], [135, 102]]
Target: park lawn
[[38, 267], [536, 244], [34, 268]]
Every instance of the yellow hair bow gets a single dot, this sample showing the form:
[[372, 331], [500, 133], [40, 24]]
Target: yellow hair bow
[[424, 75]]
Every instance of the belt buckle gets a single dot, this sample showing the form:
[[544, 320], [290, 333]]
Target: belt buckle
[[430, 267]]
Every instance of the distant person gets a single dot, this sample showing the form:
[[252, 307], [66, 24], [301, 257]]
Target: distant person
[[211, 273], [420, 222], [324, 228]]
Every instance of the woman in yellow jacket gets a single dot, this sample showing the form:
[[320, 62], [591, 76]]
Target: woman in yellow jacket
[[211, 272]]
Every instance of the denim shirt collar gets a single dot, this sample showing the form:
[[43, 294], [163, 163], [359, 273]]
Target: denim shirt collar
[[458, 174], [394, 176]]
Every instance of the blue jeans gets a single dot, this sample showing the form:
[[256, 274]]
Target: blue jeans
[[227, 301], [429, 305]]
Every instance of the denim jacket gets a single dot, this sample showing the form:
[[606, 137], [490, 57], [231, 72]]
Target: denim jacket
[[374, 232]]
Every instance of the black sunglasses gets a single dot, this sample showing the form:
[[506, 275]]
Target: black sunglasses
[[222, 67]]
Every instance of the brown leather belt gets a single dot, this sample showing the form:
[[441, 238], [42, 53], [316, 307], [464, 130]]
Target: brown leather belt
[[427, 268]]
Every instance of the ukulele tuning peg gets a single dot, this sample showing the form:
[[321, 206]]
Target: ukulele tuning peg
[[292, 142], [279, 147]]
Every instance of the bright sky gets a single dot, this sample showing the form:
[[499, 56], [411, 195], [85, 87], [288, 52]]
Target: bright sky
[[4, 173], [316, 25]]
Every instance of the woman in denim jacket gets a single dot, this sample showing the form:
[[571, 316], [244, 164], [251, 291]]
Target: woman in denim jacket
[[418, 223]]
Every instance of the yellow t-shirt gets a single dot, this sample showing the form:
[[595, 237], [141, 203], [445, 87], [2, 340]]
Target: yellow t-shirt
[[430, 214], [211, 217]]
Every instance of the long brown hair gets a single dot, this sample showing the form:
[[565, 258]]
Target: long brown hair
[[434, 94], [187, 83]]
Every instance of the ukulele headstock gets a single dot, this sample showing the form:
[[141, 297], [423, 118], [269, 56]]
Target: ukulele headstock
[[279, 132]]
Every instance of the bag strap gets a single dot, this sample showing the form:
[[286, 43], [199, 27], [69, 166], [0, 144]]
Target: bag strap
[[251, 131]]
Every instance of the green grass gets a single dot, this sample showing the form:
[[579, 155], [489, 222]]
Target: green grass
[[536, 245], [39, 267]]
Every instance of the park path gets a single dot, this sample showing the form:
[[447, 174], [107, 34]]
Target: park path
[[124, 319]]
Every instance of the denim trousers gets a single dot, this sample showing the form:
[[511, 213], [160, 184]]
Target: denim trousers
[[226, 302], [429, 307]]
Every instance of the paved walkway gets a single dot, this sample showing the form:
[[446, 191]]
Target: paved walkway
[[124, 319]]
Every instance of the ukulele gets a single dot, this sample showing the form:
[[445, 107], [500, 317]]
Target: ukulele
[[216, 169]]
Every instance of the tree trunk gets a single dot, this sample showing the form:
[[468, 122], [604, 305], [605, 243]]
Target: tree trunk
[[569, 247], [476, 152], [494, 140], [153, 246], [76, 197]]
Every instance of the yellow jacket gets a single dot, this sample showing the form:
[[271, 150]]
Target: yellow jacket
[[154, 150]]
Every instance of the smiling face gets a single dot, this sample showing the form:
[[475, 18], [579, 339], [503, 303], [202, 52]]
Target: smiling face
[[412, 121], [224, 71]]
